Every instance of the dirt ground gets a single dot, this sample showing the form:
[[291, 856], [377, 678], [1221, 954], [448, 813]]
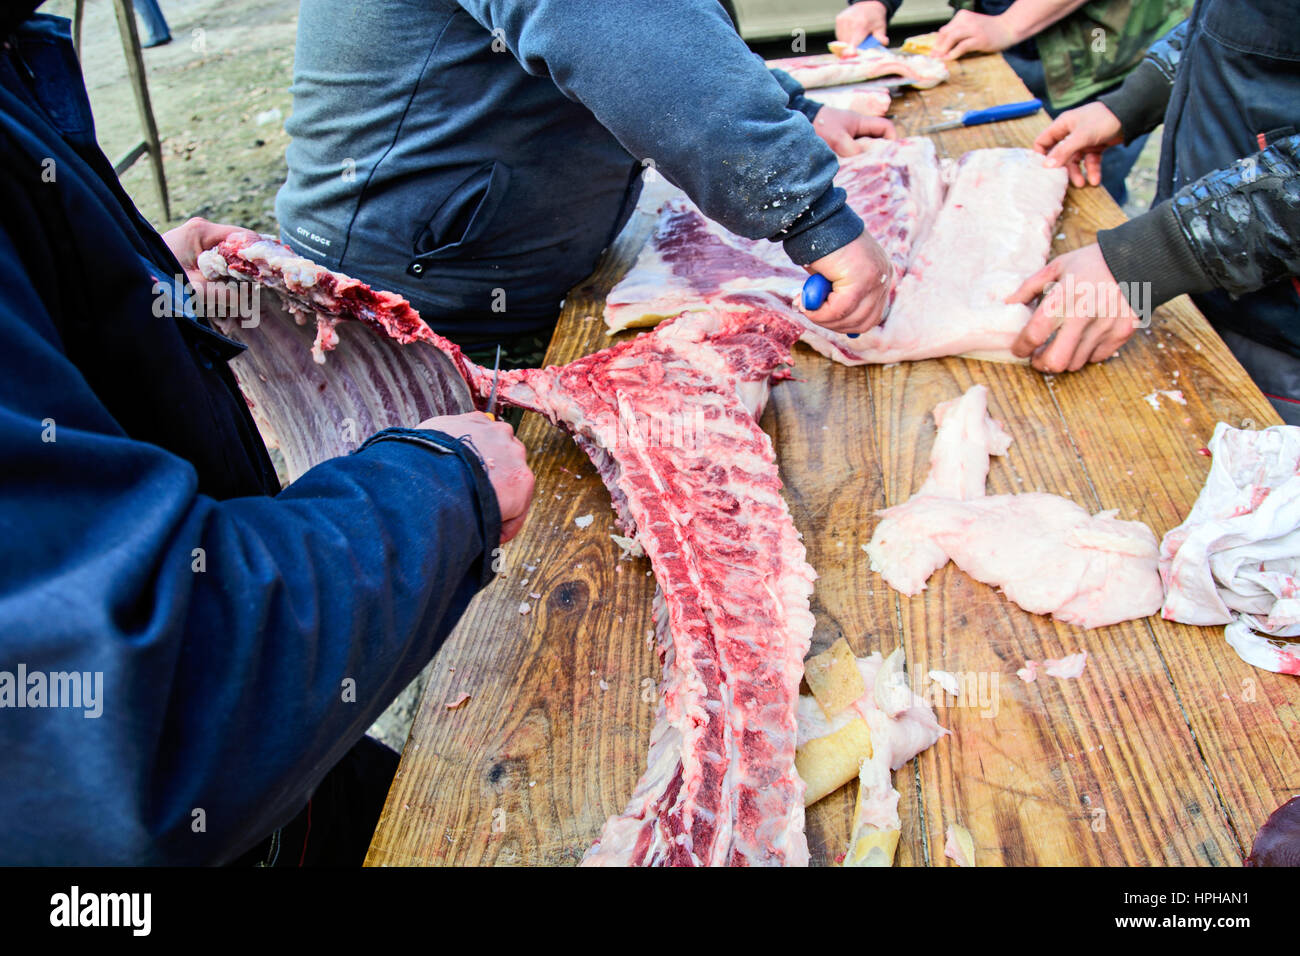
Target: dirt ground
[[220, 93]]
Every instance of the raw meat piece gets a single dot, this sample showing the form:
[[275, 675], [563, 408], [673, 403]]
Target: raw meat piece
[[955, 259], [993, 231], [899, 738], [311, 290], [1045, 552], [830, 69], [1067, 667], [1236, 559], [1278, 841], [963, 444], [947, 680], [894, 741], [691, 263], [867, 100], [733, 616], [669, 421]]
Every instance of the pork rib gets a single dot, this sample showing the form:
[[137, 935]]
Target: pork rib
[[732, 612], [310, 291], [669, 419]]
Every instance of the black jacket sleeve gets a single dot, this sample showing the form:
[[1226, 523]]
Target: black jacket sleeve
[[1139, 103], [1236, 229]]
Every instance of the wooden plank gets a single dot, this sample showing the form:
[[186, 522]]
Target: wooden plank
[[1099, 770], [1104, 769]]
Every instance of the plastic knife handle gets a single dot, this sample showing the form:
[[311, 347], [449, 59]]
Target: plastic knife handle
[[871, 43], [1006, 111], [815, 290]]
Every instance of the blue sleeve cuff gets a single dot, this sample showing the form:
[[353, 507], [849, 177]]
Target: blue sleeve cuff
[[489, 512], [798, 101], [827, 225]]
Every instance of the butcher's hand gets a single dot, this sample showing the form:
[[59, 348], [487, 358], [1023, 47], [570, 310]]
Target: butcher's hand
[[841, 129], [1077, 138], [187, 241], [1085, 308], [969, 32], [505, 458], [861, 20], [860, 275]]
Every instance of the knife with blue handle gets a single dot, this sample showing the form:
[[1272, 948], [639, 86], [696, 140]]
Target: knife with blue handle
[[992, 114]]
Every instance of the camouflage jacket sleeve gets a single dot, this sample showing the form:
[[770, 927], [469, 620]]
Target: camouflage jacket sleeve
[[1140, 102], [1236, 229], [1095, 47]]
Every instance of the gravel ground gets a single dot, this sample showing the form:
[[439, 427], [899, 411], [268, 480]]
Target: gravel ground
[[220, 93]]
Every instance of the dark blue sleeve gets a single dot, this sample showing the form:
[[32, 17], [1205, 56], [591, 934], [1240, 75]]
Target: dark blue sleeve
[[674, 83], [794, 90], [235, 649]]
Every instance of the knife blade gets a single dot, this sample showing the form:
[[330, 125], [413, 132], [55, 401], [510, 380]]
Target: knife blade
[[991, 114], [496, 377]]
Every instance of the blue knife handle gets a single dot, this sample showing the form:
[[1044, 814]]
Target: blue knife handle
[[1004, 112], [871, 43], [815, 290]]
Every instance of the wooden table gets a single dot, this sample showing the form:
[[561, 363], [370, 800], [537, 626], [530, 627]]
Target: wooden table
[[1168, 750]]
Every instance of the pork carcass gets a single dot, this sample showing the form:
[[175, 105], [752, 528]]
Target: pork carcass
[[1044, 552], [669, 420], [689, 262], [1235, 561], [956, 256]]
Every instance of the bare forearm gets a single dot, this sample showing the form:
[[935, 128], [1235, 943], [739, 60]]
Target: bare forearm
[[1027, 18]]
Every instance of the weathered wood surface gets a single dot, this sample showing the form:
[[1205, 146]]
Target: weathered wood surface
[[1168, 750]]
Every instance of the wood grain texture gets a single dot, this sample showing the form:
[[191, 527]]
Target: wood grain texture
[[1168, 750]]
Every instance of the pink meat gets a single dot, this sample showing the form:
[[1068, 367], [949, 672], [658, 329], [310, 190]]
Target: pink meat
[[691, 263], [956, 255], [732, 613], [1044, 552]]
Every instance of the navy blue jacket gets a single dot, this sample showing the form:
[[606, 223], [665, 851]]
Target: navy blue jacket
[[1225, 225], [478, 155], [143, 539]]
